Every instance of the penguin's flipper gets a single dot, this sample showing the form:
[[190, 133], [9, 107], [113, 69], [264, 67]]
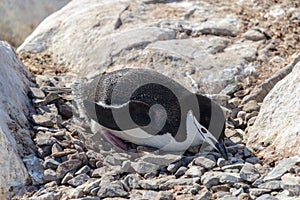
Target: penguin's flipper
[[127, 116]]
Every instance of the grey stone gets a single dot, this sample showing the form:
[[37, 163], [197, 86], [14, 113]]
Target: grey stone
[[210, 179], [284, 165], [44, 138], [217, 188], [253, 160], [166, 195], [161, 160], [89, 198], [291, 182], [148, 184], [256, 192], [220, 27], [90, 185], [80, 156], [251, 121], [254, 35], [43, 120], [251, 115], [235, 102], [99, 172], [99, 164], [126, 166], [236, 139], [236, 192], [204, 194], [67, 166], [258, 182], [152, 195], [220, 99], [152, 175], [221, 194], [207, 163], [249, 173], [50, 98], [271, 185], [66, 110], [75, 193], [50, 175], [144, 167], [251, 106], [230, 132], [194, 171], [221, 162], [181, 171], [290, 178], [230, 178], [78, 180], [56, 148], [47, 196], [242, 115], [132, 180], [35, 169], [36, 93], [67, 177], [115, 189], [59, 154], [230, 89], [112, 160], [266, 197], [95, 191], [284, 195], [84, 170], [244, 196], [50, 163], [51, 184], [182, 181], [228, 197], [235, 148], [237, 166]]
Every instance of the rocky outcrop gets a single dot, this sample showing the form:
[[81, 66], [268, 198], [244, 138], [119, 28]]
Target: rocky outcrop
[[277, 126], [20, 18], [13, 100], [92, 37]]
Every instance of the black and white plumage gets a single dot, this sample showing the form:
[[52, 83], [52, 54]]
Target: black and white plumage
[[147, 108]]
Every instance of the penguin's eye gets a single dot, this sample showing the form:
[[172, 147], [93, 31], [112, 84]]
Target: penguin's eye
[[203, 130]]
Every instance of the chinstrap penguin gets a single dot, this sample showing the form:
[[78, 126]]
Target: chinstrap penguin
[[147, 108]]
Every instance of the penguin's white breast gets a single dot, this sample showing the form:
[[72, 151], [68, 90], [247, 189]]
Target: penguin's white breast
[[164, 142]]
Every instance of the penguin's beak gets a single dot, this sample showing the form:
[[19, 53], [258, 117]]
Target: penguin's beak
[[222, 150], [210, 139], [219, 146]]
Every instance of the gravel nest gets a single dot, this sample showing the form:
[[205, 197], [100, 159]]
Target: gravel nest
[[62, 166]]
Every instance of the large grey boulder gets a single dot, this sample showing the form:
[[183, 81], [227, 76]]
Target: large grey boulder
[[277, 126], [13, 99], [20, 17], [88, 38]]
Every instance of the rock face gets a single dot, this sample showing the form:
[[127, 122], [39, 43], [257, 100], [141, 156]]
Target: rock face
[[135, 34], [18, 20], [13, 100], [278, 123]]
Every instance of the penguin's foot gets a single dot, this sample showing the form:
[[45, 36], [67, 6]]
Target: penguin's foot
[[114, 140]]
